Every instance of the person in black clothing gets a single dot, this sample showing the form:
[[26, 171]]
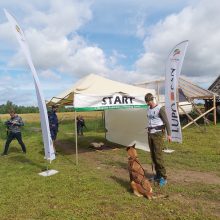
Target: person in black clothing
[[80, 125], [14, 131], [53, 122]]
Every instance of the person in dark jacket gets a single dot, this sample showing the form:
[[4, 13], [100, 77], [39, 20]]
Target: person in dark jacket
[[53, 122], [14, 131], [80, 125]]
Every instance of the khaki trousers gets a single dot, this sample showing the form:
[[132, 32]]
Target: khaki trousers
[[156, 145]]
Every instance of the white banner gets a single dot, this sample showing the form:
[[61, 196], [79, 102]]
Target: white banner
[[118, 100], [48, 143], [173, 69]]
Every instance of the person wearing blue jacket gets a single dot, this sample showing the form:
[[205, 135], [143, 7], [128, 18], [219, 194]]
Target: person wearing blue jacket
[[53, 122], [14, 131]]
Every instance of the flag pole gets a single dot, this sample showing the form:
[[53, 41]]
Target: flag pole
[[48, 144]]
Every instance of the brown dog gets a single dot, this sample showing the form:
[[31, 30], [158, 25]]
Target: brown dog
[[139, 183]]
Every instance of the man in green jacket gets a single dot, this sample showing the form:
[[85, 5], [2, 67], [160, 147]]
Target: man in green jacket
[[157, 122], [14, 131]]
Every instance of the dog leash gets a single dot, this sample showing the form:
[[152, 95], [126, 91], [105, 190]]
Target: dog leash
[[134, 177]]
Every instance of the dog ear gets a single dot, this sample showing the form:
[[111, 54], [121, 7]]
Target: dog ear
[[127, 148], [133, 145]]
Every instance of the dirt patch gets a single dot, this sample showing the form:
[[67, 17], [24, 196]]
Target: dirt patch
[[174, 176], [185, 176], [189, 176], [66, 147], [119, 166]]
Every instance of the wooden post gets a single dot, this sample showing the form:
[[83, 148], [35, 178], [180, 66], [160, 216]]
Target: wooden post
[[206, 121], [198, 117], [193, 121], [214, 110]]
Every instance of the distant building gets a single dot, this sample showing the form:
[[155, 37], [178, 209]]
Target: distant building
[[215, 88]]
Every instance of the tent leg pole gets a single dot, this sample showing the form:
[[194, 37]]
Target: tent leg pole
[[214, 110], [76, 138], [103, 119], [158, 92]]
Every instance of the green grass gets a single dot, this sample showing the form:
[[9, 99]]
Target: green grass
[[98, 188], [199, 151]]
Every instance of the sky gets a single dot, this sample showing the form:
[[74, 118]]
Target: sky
[[124, 40]]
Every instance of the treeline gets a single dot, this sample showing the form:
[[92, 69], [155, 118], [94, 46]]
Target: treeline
[[5, 108]]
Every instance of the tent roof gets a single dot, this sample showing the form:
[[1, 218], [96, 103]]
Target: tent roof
[[194, 91], [96, 85], [215, 86], [189, 89]]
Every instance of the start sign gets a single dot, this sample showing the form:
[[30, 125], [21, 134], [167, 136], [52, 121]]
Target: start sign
[[118, 100], [91, 102]]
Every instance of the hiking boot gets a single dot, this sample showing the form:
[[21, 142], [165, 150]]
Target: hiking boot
[[162, 181]]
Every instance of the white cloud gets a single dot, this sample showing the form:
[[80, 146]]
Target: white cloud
[[19, 87], [88, 60], [48, 74], [113, 59], [61, 17], [54, 43], [52, 31], [199, 24]]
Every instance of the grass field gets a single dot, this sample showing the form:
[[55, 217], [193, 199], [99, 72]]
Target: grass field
[[98, 188]]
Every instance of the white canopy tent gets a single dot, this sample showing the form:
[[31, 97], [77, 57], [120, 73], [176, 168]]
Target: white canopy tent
[[94, 92], [127, 126]]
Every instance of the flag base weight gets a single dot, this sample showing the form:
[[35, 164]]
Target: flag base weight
[[169, 151], [48, 173]]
